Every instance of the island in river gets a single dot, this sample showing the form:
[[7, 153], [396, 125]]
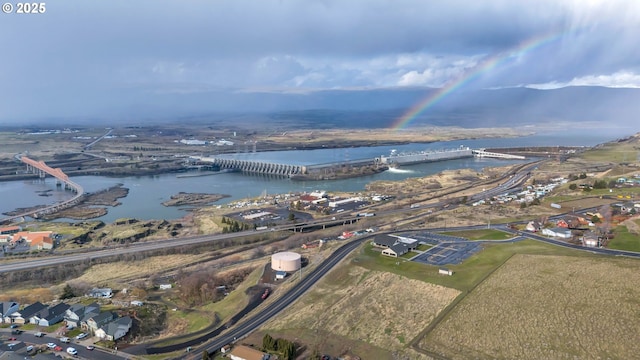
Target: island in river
[[184, 198]]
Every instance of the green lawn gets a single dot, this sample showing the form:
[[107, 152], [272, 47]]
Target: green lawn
[[408, 255], [624, 240], [467, 274], [424, 247], [482, 234]]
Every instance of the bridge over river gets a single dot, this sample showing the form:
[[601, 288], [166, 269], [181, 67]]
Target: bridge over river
[[42, 170]]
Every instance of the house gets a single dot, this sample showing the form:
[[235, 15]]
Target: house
[[443, 271], [241, 352], [281, 275], [557, 232], [100, 293], [115, 329], [6, 309], [77, 312], [51, 315], [100, 320], [164, 286], [590, 239], [23, 316], [562, 223], [225, 349], [533, 226]]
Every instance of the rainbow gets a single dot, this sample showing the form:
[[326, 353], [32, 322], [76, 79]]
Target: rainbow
[[484, 66]]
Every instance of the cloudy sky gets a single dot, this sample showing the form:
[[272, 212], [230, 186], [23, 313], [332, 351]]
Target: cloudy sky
[[83, 53]]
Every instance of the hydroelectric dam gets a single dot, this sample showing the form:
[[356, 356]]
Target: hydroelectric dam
[[394, 159]]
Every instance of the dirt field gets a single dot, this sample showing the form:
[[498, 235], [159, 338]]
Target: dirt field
[[547, 307], [362, 305]]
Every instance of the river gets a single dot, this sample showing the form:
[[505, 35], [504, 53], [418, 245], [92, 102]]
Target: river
[[147, 192]]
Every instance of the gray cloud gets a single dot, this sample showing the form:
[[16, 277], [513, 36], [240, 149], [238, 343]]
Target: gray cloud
[[82, 53]]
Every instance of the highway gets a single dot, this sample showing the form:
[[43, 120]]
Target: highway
[[251, 323], [29, 264], [308, 280]]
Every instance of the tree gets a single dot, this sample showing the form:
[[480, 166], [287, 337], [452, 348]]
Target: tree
[[67, 292], [289, 351], [573, 187], [292, 216], [205, 355], [268, 342]]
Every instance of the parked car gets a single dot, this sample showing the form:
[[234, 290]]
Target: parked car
[[12, 339], [39, 334], [14, 326], [16, 332], [81, 336], [90, 347], [51, 345], [57, 348], [72, 351], [65, 340], [29, 348]]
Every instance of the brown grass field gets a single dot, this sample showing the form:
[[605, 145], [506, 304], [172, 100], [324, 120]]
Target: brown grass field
[[360, 307], [546, 307]]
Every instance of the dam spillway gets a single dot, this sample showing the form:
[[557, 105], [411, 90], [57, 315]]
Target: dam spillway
[[394, 159]]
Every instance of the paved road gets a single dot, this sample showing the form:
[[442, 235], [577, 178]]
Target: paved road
[[29, 339], [308, 280]]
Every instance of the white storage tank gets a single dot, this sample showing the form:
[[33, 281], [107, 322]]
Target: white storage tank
[[285, 261]]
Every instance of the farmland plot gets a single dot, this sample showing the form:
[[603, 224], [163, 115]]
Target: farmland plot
[[547, 307], [383, 309]]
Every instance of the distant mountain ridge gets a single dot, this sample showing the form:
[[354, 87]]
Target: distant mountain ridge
[[375, 108]]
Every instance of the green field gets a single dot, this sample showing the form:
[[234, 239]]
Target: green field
[[482, 234], [624, 240], [470, 272]]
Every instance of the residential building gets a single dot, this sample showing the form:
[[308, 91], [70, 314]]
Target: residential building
[[115, 329], [557, 232], [51, 315], [78, 312], [241, 352], [100, 320], [23, 316], [6, 309], [100, 293]]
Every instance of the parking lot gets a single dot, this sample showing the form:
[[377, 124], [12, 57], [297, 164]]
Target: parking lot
[[446, 250], [448, 253]]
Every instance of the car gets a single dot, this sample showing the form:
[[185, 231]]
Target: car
[[65, 340], [14, 326], [39, 334], [57, 348], [90, 347], [51, 345], [12, 339], [16, 332], [29, 348], [70, 327], [72, 351], [81, 336]]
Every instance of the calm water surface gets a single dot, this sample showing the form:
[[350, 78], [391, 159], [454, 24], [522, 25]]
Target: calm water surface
[[147, 192]]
